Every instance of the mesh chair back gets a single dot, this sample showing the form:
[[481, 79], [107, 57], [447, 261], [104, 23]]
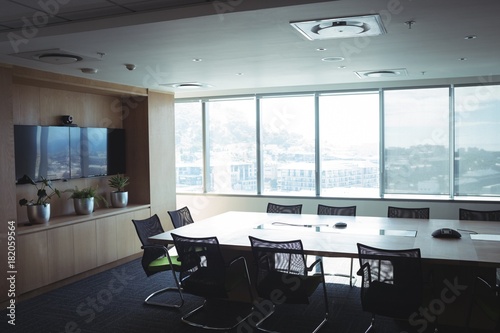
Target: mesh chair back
[[330, 210], [479, 215], [284, 209], [391, 281], [282, 266], [147, 228], [181, 217], [412, 213], [202, 270]]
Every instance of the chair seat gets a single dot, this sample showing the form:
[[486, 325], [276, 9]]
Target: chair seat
[[295, 289], [206, 282], [162, 264], [395, 300]]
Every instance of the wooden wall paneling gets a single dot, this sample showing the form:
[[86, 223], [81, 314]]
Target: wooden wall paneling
[[55, 103], [85, 246], [103, 111], [135, 123], [61, 254], [106, 240], [161, 154], [26, 104], [7, 172], [32, 261]]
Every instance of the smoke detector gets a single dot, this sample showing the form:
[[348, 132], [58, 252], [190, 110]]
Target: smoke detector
[[342, 27]]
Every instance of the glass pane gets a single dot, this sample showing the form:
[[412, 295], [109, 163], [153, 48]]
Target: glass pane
[[189, 147], [232, 146], [349, 141], [288, 145], [416, 138], [477, 141]]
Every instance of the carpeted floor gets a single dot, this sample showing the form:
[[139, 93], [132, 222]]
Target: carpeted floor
[[112, 301]]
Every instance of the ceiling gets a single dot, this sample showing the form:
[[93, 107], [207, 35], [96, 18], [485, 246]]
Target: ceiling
[[240, 46]]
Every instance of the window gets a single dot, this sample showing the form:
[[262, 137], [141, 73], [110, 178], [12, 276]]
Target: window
[[416, 138], [232, 146], [349, 144], [189, 147], [477, 143], [288, 145], [428, 141]]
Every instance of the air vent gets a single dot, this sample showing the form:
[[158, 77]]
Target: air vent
[[385, 73], [186, 85], [54, 56], [342, 27], [58, 58]]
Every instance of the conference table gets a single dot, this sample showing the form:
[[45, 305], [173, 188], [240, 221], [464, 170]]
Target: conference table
[[478, 246]]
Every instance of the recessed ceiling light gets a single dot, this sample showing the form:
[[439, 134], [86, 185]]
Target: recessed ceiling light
[[240, 74], [333, 59], [320, 49], [197, 59], [471, 37], [462, 59]]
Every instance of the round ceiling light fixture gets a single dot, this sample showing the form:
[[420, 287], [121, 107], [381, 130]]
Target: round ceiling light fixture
[[339, 28], [58, 58]]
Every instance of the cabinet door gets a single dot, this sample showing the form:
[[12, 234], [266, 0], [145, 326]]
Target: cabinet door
[[60, 253], [32, 261], [85, 246], [106, 231]]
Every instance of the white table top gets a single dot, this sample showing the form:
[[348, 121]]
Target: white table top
[[320, 237]]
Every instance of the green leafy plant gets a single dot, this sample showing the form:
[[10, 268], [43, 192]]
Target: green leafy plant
[[118, 182], [42, 196], [87, 192]]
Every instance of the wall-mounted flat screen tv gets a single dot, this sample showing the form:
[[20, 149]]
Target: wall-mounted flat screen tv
[[58, 152]]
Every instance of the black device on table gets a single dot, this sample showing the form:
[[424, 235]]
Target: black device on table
[[446, 233]]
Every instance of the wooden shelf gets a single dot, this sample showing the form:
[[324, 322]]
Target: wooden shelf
[[61, 221]]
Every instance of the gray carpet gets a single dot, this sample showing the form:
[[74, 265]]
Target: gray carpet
[[112, 301]]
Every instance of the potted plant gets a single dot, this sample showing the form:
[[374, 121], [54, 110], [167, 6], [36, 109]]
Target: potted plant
[[119, 197], [39, 209], [85, 199]]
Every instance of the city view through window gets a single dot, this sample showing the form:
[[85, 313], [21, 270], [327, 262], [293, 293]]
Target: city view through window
[[428, 141]]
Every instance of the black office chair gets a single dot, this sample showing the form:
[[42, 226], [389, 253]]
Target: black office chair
[[156, 258], [486, 291], [392, 284], [485, 305], [411, 213], [204, 273], [343, 211], [281, 266], [479, 215], [181, 217], [284, 209]]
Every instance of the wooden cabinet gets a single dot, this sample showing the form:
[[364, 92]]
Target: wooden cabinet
[[85, 246], [32, 261], [69, 246], [61, 253]]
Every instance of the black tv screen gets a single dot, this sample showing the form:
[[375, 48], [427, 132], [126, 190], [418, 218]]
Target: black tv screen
[[42, 151], [59, 152]]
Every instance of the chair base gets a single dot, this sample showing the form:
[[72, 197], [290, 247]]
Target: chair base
[[259, 324], [211, 309], [148, 300]]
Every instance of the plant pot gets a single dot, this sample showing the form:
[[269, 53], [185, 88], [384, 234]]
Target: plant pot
[[38, 214], [119, 199], [84, 206]]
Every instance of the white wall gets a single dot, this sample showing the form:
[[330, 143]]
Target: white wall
[[203, 206]]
